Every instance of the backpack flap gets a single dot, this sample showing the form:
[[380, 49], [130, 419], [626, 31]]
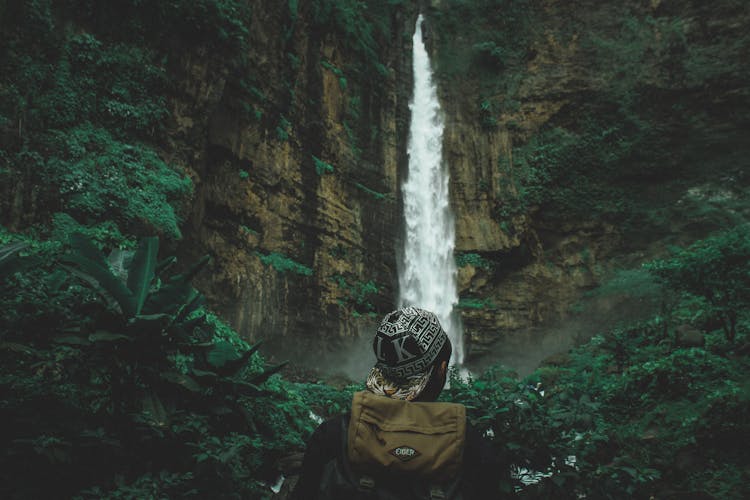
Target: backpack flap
[[391, 435]]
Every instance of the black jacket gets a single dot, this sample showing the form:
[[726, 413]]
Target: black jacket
[[482, 469]]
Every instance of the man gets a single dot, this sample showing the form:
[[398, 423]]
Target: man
[[397, 442]]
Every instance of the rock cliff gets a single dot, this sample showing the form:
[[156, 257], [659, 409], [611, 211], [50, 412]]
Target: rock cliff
[[578, 137], [580, 71], [581, 137], [298, 203]]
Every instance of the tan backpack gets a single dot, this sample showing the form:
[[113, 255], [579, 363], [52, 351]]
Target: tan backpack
[[417, 440], [398, 450]]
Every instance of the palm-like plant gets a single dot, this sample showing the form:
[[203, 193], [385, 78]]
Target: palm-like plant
[[152, 319]]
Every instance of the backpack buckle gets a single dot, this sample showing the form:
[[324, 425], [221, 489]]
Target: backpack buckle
[[437, 493], [367, 482]]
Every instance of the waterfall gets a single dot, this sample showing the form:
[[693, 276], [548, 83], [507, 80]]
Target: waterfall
[[427, 272]]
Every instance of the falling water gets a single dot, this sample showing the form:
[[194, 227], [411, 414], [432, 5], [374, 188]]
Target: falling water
[[427, 276]]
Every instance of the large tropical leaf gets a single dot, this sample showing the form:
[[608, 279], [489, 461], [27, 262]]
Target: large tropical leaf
[[153, 325], [192, 304], [232, 366], [97, 273], [169, 298], [222, 353], [83, 246], [8, 250], [105, 336], [141, 272], [182, 379], [176, 292], [165, 264], [154, 409], [192, 271]]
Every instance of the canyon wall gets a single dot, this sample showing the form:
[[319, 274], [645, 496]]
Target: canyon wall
[[581, 138], [299, 207], [615, 97]]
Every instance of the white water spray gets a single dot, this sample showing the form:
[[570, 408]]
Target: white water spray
[[427, 276]]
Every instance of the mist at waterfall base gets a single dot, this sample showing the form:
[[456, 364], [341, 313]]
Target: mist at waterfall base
[[522, 350]]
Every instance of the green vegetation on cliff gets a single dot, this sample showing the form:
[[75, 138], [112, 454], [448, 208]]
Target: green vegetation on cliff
[[85, 99], [81, 114], [603, 104]]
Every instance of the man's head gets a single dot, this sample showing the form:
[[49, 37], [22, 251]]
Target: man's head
[[412, 352]]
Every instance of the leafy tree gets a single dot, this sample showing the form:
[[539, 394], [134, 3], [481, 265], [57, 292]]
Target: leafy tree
[[717, 269], [612, 419]]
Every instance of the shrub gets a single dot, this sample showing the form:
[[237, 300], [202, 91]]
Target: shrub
[[120, 384], [473, 259], [84, 108], [322, 167], [283, 263], [716, 269], [610, 422], [100, 177], [358, 295]]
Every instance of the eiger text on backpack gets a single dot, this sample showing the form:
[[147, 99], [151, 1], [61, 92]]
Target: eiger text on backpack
[[397, 450]]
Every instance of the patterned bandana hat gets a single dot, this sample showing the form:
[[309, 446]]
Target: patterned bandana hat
[[406, 345]]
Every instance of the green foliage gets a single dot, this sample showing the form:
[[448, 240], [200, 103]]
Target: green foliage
[[487, 112], [252, 110], [354, 107], [631, 282], [358, 294], [294, 61], [326, 401], [360, 24], [614, 419], [101, 177], [120, 385], [575, 173], [473, 259], [716, 269], [103, 234], [283, 129], [221, 26], [352, 137], [293, 7], [624, 406], [475, 303], [83, 111], [625, 58], [322, 167], [485, 39], [374, 194], [283, 263], [10, 261], [336, 71]]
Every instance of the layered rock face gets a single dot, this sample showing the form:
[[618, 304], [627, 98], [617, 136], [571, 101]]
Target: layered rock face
[[542, 99], [297, 196], [571, 135], [580, 137]]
